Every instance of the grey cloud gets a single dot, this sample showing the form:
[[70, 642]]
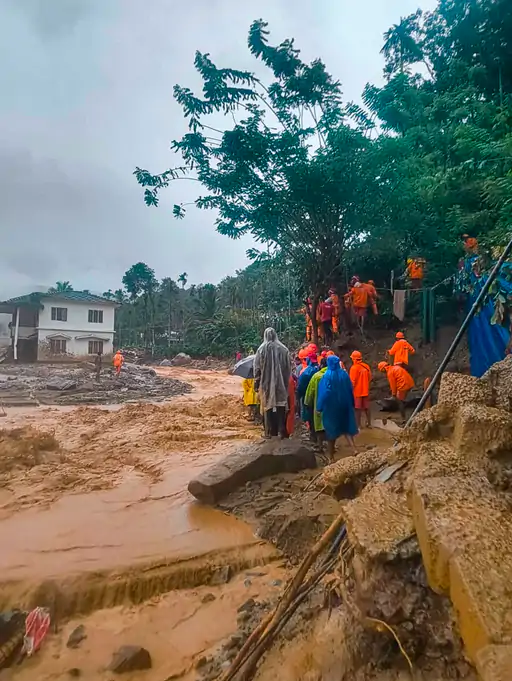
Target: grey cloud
[[87, 95], [53, 18]]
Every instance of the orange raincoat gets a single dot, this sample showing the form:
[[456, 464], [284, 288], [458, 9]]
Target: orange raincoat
[[400, 381], [400, 351], [360, 375]]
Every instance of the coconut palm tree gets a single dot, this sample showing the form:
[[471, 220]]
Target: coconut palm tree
[[61, 287]]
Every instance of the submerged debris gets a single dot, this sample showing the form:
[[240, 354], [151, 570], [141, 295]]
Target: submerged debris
[[61, 384]]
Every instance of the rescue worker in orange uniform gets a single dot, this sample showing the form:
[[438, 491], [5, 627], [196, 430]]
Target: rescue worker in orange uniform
[[118, 361], [309, 323], [303, 356], [415, 272], [373, 295], [361, 376], [319, 325], [400, 350], [470, 244], [400, 382], [360, 297], [336, 310]]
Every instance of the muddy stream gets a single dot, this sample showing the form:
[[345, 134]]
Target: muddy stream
[[95, 518]]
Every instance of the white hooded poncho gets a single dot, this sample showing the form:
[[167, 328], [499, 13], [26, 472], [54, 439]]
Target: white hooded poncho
[[272, 367]]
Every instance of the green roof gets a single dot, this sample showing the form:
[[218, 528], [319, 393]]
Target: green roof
[[77, 296]]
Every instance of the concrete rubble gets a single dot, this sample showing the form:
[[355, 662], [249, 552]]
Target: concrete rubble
[[67, 385], [432, 541]]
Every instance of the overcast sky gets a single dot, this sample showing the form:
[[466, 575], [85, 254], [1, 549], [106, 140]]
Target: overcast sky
[[86, 95]]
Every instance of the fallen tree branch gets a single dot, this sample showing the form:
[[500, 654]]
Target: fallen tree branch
[[257, 642]]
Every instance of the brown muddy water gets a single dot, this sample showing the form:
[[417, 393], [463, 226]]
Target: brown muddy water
[[96, 522]]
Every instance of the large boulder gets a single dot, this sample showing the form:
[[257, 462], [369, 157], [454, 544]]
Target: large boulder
[[251, 462], [181, 360]]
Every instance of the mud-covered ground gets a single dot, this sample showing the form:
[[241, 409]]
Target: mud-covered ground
[[100, 527], [94, 509], [70, 384]]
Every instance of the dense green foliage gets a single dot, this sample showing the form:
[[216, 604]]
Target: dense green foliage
[[207, 320], [60, 287], [330, 188]]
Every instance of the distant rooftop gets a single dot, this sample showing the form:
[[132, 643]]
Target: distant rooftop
[[77, 296]]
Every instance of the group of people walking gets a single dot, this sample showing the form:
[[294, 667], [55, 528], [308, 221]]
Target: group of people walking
[[330, 399], [334, 312]]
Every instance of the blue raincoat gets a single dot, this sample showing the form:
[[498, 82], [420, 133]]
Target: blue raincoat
[[304, 380], [336, 401]]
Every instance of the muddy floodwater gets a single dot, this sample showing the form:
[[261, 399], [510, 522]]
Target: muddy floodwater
[[114, 490], [95, 518]]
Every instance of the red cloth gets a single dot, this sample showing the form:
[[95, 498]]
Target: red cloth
[[362, 402], [36, 628], [326, 310]]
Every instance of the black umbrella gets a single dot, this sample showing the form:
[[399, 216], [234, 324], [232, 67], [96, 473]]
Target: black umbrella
[[245, 367]]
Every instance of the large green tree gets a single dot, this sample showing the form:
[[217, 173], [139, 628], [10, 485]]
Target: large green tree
[[140, 283], [287, 168]]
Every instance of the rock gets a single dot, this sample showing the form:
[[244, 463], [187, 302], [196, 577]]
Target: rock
[[233, 642], [74, 672], [247, 583], [181, 360], [130, 658], [242, 618], [251, 462], [201, 662], [276, 582], [248, 606], [61, 384], [221, 575], [166, 363], [76, 637], [208, 598]]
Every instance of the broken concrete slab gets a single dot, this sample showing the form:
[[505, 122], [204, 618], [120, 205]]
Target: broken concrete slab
[[251, 462]]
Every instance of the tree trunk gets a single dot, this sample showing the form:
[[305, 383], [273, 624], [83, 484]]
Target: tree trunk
[[169, 321], [314, 322]]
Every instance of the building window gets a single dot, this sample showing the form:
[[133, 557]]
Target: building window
[[96, 316], [59, 314], [57, 346], [95, 346]]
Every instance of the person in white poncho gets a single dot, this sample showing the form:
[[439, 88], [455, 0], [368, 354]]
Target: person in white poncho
[[272, 371]]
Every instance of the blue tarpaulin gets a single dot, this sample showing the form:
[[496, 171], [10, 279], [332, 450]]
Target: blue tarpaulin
[[487, 341]]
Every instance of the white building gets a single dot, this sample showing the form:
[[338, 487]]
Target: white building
[[59, 326]]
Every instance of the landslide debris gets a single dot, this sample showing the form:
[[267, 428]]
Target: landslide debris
[[68, 385]]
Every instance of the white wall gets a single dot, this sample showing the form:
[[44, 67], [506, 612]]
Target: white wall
[[77, 325]]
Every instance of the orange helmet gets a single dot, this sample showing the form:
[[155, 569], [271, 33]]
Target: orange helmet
[[356, 355], [382, 366], [303, 353], [399, 335], [312, 348], [330, 353]]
